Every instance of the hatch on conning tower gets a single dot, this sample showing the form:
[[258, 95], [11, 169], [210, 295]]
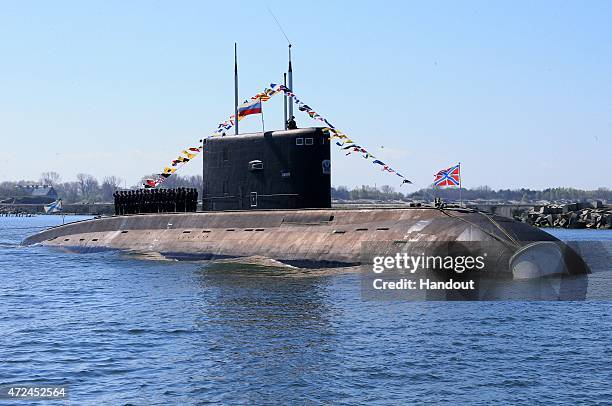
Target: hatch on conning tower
[[274, 170]]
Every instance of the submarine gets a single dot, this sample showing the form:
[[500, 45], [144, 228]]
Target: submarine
[[268, 194]]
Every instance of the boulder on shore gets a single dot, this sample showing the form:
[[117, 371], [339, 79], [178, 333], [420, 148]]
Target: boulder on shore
[[573, 215]]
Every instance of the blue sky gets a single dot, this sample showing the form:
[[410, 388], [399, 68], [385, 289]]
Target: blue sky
[[519, 92]]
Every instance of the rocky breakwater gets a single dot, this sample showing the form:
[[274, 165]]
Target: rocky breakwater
[[571, 215], [8, 212]]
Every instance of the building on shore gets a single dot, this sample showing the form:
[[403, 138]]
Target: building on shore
[[32, 194]]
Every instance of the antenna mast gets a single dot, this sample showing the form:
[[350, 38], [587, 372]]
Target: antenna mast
[[289, 74], [235, 88], [285, 99], [290, 81]]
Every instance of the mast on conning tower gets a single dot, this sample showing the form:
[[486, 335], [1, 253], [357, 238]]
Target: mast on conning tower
[[285, 99], [235, 88], [290, 83]]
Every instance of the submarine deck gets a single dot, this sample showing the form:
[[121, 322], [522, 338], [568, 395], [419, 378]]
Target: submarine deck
[[303, 237]]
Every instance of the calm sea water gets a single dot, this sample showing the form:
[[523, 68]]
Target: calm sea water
[[122, 330]]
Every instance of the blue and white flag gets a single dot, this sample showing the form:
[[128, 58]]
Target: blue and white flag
[[54, 207]]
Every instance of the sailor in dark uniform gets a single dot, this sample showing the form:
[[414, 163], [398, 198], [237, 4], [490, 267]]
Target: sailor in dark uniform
[[115, 195], [133, 202], [164, 200], [150, 201], [172, 201], [122, 202], [190, 208], [291, 124], [130, 202], [195, 200], [187, 199], [139, 197], [155, 201], [145, 201], [168, 204], [126, 202], [179, 197]]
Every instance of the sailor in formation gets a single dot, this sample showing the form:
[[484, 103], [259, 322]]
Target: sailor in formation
[[156, 201]]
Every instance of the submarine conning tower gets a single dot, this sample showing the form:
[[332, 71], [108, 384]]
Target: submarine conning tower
[[288, 169]]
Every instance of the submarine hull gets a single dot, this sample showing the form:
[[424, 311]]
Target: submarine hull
[[314, 238]]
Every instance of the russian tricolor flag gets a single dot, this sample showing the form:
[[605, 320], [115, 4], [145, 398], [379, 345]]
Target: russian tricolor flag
[[249, 107]]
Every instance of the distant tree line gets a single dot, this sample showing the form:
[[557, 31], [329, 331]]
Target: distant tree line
[[88, 189], [366, 192], [388, 193]]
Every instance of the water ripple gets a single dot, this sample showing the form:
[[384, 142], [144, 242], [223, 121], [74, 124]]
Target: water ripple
[[120, 330]]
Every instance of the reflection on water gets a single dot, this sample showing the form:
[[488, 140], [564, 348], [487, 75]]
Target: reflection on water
[[276, 324]]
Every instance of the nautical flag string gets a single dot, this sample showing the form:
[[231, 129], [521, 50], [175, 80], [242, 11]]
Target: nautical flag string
[[254, 106], [247, 108], [335, 133]]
